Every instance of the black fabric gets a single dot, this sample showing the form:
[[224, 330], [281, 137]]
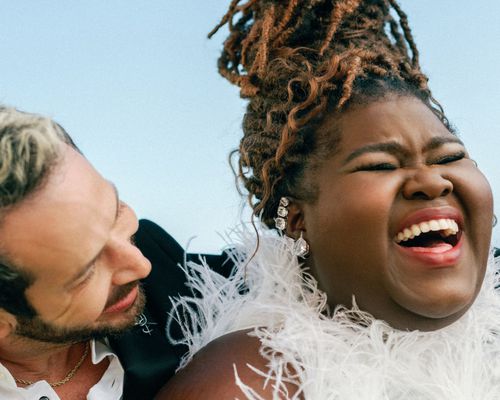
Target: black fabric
[[148, 358]]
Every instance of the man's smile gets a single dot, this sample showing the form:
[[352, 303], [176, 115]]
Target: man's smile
[[123, 303]]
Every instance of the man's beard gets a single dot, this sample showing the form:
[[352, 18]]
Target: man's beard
[[36, 329]]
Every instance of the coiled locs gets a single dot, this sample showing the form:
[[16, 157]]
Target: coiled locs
[[297, 61]]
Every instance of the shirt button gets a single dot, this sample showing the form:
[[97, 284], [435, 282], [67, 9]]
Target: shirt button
[[44, 398]]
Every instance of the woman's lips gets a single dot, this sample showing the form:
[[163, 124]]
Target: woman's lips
[[434, 254], [124, 303], [441, 255], [428, 214]]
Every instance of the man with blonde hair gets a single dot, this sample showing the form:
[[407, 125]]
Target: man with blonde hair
[[70, 275]]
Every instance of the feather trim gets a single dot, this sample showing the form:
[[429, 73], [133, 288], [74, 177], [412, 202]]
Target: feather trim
[[335, 357]]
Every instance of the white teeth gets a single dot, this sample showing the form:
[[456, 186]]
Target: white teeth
[[448, 226], [434, 225], [424, 227], [415, 230], [442, 224]]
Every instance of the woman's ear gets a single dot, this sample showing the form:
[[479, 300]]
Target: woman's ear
[[295, 220]]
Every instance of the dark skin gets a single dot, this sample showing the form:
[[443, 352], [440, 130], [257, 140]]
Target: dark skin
[[414, 171], [210, 375], [413, 168]]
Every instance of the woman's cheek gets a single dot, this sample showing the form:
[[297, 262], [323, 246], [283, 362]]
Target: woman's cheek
[[473, 190]]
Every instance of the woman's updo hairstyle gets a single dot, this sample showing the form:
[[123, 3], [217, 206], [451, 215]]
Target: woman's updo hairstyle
[[297, 60]]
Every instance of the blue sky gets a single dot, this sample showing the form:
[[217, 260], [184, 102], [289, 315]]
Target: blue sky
[[137, 87]]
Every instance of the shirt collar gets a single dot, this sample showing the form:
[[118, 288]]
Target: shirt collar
[[99, 349]]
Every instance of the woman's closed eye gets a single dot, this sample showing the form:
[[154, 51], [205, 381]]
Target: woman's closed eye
[[449, 158], [376, 166]]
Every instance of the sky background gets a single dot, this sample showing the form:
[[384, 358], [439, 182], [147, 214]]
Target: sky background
[[136, 85]]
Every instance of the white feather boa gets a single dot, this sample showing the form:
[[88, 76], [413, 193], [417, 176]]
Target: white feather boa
[[335, 357]]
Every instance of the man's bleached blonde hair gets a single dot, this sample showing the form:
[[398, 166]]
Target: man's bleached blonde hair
[[30, 145]]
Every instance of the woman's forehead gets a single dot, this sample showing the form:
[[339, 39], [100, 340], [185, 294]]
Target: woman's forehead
[[395, 118]]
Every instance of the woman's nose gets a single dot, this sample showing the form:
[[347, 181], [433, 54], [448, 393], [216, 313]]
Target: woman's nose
[[426, 183]]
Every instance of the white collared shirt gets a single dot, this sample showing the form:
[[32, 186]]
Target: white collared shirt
[[110, 387]]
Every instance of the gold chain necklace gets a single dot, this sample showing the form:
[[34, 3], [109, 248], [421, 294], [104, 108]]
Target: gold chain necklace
[[67, 378]]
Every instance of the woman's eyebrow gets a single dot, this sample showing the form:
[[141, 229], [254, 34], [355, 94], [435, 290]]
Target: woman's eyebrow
[[396, 149], [385, 147], [438, 141]]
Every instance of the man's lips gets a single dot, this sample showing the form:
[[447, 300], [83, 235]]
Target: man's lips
[[124, 303]]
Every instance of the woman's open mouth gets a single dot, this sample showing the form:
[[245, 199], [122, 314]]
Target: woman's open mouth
[[436, 242]]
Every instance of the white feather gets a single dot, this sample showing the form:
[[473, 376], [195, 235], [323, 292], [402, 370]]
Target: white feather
[[336, 358]]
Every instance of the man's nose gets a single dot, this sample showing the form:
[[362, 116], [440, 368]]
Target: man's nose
[[127, 262], [124, 258], [426, 183]]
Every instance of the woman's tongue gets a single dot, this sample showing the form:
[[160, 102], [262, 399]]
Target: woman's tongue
[[434, 247], [432, 242]]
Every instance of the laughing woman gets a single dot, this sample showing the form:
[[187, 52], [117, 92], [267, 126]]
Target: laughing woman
[[377, 283]]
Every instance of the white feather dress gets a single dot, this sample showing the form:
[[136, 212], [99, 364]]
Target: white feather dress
[[335, 358]]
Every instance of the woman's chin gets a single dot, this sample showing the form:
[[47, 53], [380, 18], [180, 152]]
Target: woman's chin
[[432, 315]]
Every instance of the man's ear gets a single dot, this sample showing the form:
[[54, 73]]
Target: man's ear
[[295, 220], [8, 323]]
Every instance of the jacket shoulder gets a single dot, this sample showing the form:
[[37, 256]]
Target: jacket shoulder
[[147, 356]]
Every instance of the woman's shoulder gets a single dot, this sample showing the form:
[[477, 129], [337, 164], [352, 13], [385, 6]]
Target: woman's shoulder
[[211, 374]]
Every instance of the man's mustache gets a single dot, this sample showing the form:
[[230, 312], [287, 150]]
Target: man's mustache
[[120, 293]]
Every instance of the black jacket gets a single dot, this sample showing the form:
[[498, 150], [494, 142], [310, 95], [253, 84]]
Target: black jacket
[[148, 358]]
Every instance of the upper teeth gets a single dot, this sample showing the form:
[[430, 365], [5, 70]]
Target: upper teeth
[[448, 226]]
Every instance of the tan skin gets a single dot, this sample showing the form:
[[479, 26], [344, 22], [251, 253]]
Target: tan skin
[[74, 236], [78, 387], [412, 168]]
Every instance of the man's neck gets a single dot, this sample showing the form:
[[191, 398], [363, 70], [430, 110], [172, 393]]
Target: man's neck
[[33, 360]]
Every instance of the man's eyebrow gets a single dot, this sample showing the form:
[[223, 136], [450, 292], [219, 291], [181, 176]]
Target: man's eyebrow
[[89, 265], [386, 147], [118, 203], [438, 141]]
